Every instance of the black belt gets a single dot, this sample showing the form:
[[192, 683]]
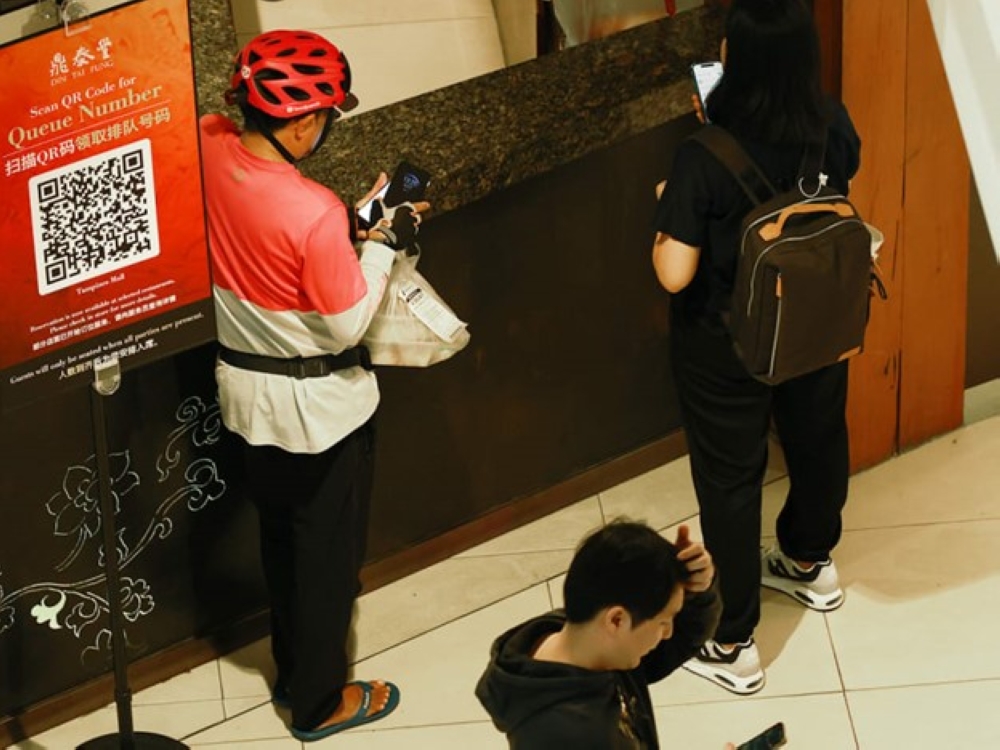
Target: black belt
[[298, 367]]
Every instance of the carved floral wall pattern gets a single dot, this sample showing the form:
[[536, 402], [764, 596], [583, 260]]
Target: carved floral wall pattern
[[80, 606]]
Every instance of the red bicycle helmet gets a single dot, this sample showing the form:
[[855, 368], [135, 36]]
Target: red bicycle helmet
[[290, 73]]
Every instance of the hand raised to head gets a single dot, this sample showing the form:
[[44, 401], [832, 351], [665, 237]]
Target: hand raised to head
[[696, 559]]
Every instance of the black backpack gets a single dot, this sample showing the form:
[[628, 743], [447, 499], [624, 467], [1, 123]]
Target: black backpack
[[804, 269]]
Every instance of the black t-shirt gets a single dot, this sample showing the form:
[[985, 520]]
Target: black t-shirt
[[703, 206]]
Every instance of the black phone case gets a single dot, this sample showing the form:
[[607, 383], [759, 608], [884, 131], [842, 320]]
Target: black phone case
[[408, 184], [771, 738]]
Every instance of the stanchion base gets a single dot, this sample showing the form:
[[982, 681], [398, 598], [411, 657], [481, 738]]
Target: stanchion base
[[143, 741]]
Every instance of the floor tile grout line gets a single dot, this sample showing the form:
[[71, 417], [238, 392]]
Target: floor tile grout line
[[736, 700], [548, 592], [199, 730], [512, 553], [686, 519], [382, 729], [227, 719], [833, 649], [410, 639], [222, 683], [925, 684], [840, 678], [850, 720], [922, 524]]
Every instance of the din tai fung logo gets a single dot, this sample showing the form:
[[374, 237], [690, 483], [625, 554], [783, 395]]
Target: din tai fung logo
[[81, 61]]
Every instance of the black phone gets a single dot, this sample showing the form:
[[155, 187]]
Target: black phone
[[772, 737], [408, 183], [706, 77]]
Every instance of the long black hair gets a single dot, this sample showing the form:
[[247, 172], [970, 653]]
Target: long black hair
[[771, 89]]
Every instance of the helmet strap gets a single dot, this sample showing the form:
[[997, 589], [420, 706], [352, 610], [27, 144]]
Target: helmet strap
[[272, 139], [262, 128], [265, 131]]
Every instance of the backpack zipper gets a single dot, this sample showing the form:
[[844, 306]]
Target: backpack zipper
[[777, 327]]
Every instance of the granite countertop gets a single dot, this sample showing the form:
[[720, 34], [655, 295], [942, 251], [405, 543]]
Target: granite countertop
[[490, 132]]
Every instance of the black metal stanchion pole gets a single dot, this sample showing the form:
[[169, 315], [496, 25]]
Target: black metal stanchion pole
[[107, 379]]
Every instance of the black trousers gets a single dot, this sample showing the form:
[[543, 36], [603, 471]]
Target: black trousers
[[726, 415], [313, 511]]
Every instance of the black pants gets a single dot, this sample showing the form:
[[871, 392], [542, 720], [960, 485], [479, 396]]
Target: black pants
[[313, 532], [726, 416]]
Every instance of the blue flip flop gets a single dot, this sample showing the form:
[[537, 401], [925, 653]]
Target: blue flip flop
[[360, 716]]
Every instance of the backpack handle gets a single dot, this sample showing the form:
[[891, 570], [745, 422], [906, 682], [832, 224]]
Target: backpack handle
[[773, 230]]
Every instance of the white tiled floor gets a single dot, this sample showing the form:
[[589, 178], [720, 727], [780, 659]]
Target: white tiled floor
[[910, 661]]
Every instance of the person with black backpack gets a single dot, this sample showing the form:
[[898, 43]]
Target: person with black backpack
[[769, 100]]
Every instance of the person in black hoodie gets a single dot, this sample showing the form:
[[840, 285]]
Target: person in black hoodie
[[636, 608]]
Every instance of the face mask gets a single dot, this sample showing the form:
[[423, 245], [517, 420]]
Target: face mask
[[323, 133]]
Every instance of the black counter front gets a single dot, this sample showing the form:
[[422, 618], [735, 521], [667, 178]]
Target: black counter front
[[539, 239]]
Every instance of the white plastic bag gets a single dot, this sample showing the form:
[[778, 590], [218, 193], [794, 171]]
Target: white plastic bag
[[877, 239], [413, 327]]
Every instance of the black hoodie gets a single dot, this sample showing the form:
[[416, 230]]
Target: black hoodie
[[544, 705]]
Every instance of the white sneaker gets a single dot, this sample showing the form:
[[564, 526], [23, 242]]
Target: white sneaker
[[818, 588], [738, 670]]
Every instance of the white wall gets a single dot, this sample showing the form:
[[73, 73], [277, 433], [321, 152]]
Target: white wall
[[968, 32], [517, 20], [397, 48]]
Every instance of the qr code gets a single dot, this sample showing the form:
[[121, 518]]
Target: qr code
[[94, 216]]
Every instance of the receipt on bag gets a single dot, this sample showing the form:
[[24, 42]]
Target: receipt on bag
[[431, 313]]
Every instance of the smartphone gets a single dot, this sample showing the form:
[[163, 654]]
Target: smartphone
[[408, 183], [772, 737], [706, 77], [365, 211]]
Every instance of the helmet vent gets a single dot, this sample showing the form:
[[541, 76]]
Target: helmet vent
[[307, 70], [296, 93], [267, 96]]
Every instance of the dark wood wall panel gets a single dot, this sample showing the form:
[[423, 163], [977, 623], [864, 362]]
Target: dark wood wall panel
[[567, 365]]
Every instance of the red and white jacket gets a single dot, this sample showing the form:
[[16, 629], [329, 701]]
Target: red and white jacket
[[287, 282]]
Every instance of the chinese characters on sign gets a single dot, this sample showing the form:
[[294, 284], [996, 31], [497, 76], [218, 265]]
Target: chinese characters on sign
[[101, 208]]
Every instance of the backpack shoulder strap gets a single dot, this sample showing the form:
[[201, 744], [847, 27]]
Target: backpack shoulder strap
[[733, 157]]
